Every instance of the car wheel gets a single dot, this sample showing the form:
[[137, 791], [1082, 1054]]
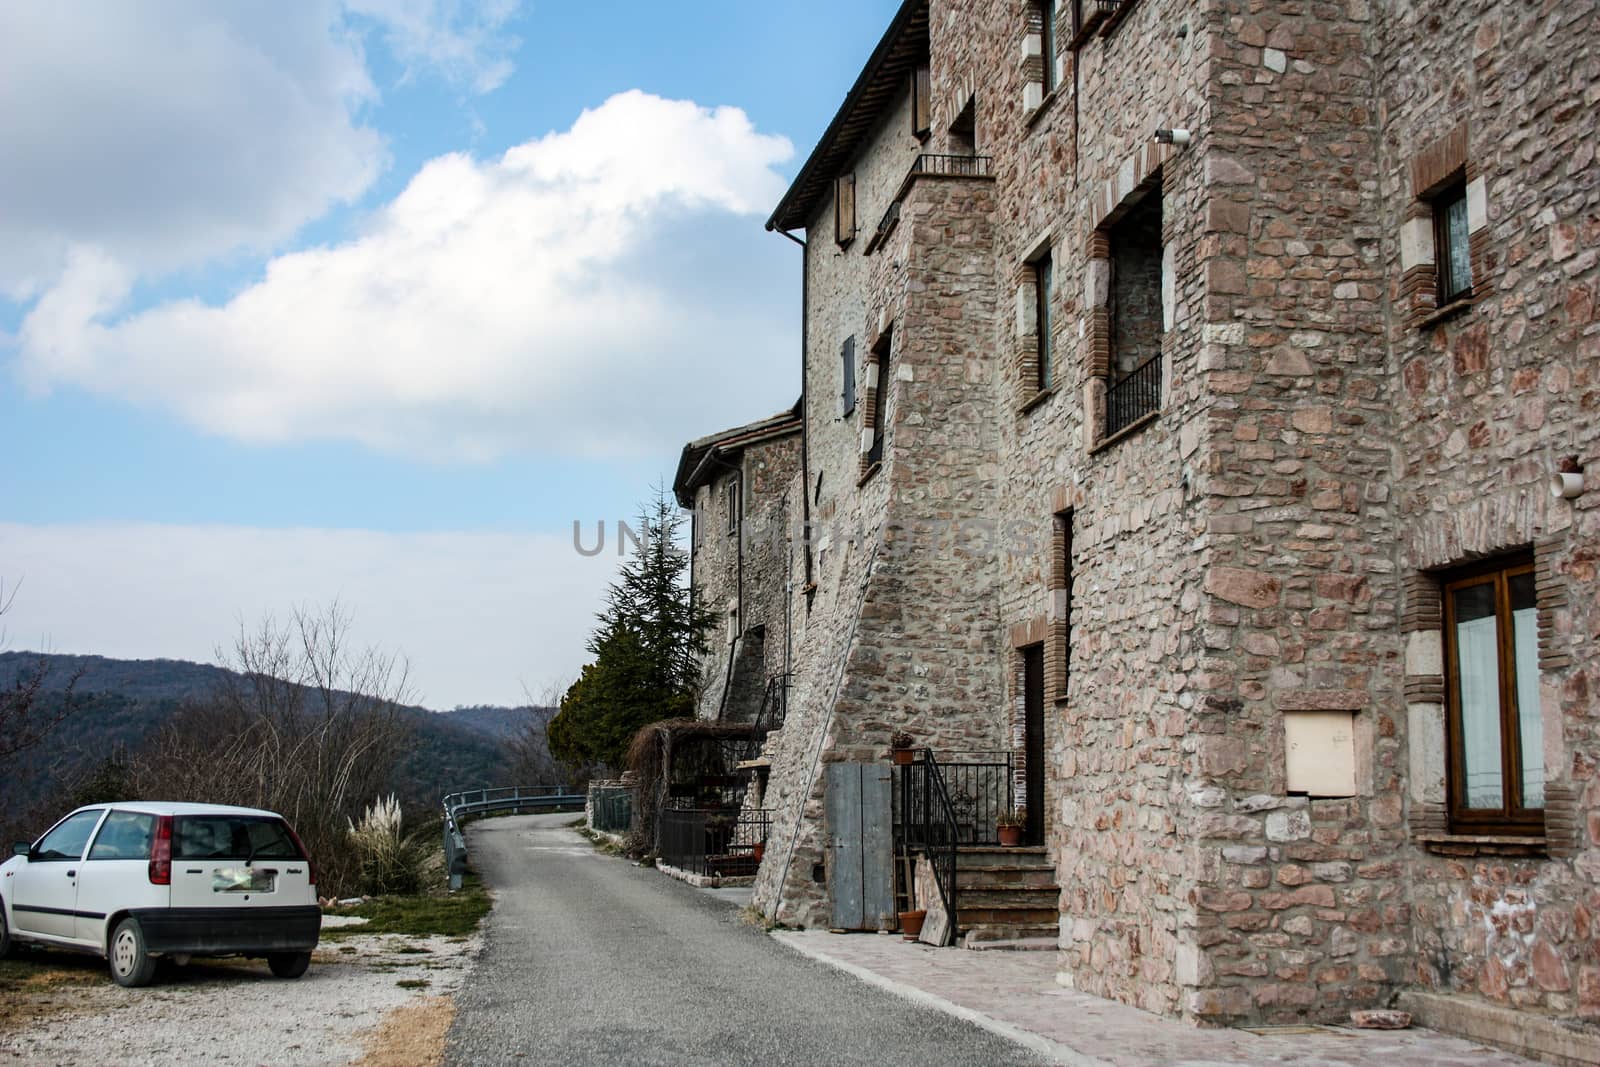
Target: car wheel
[[131, 965], [289, 964]]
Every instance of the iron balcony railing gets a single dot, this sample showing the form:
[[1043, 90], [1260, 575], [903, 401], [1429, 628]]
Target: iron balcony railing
[[1133, 396], [714, 842], [953, 166]]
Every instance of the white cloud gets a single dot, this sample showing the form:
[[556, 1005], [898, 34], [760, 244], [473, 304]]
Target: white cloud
[[602, 290], [168, 133], [479, 615], [461, 41]]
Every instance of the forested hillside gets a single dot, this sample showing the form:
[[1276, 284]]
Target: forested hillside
[[118, 706]]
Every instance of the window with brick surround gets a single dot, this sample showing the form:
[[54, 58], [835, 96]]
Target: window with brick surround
[[1135, 313], [1042, 20], [1060, 651], [1042, 281], [847, 376], [1451, 248], [1496, 738], [844, 208], [872, 421]]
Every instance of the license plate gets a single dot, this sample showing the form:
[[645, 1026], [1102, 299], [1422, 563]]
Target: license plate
[[243, 880]]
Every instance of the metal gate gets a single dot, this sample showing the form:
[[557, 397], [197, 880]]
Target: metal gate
[[861, 845]]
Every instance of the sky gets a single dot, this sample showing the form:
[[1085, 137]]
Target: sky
[[370, 301]]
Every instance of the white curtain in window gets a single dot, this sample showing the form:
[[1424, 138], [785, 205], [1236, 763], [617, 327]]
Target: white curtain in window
[[1524, 626], [1477, 659]]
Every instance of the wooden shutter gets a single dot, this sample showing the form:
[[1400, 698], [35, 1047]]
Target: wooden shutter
[[921, 101], [844, 207], [847, 359]]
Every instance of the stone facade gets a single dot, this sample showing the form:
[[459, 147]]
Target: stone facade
[[737, 485], [1256, 546]]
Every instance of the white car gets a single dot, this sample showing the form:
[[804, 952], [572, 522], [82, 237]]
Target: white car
[[137, 881]]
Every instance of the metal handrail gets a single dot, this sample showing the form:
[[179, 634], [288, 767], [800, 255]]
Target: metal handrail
[[515, 798], [941, 856]]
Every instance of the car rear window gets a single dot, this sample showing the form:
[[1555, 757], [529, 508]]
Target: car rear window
[[125, 835], [199, 837]]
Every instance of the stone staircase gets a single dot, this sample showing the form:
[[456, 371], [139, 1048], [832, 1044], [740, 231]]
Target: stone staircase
[[1007, 898]]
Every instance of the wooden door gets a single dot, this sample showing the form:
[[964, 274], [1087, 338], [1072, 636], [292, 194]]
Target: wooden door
[[860, 845], [1033, 740]]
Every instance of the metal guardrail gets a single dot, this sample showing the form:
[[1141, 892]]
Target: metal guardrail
[[503, 800]]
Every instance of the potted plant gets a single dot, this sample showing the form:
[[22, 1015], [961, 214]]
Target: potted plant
[[758, 850], [911, 922], [900, 747], [1010, 825]]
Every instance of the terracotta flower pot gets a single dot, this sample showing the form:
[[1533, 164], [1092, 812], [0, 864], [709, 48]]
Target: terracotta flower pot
[[904, 757], [758, 850], [1010, 836], [911, 922]]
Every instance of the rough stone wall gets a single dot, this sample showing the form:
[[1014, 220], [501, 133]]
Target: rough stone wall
[[846, 519], [1115, 743], [1487, 403], [1301, 905], [750, 619]]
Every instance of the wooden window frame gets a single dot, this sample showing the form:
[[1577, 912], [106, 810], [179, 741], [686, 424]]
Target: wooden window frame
[[1450, 289], [1043, 284], [1045, 19], [879, 357], [735, 505], [1511, 819]]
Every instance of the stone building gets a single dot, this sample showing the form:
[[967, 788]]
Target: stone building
[[1183, 386], [736, 485]]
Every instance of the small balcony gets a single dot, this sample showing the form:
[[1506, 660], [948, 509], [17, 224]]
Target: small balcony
[[928, 164], [1133, 397]]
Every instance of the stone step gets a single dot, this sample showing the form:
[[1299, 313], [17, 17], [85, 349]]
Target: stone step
[[1009, 940], [1031, 876], [1004, 915], [995, 856], [1003, 896]]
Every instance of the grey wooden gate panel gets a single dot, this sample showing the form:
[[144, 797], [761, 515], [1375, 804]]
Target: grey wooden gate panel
[[860, 845]]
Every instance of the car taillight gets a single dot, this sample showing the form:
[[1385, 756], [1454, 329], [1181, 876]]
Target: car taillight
[[161, 852], [311, 870]]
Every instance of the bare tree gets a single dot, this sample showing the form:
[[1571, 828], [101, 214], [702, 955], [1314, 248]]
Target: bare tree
[[528, 752], [304, 725], [28, 712]]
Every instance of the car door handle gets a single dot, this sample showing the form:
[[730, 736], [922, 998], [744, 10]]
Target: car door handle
[[72, 874]]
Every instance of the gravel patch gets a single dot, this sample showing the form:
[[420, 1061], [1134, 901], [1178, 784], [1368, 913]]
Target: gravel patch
[[235, 1012]]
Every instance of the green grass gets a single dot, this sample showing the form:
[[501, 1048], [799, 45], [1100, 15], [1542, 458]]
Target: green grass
[[454, 914]]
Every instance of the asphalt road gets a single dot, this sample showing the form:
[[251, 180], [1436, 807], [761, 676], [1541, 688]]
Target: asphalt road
[[591, 960]]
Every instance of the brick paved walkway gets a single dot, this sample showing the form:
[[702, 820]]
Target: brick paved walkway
[[1015, 993]]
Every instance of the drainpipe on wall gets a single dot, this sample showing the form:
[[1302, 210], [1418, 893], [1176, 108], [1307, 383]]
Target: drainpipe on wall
[[805, 420]]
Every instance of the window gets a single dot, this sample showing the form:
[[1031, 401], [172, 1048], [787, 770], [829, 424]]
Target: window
[[921, 101], [1450, 243], [733, 506], [847, 376], [877, 400], [1061, 600], [1135, 315], [125, 835], [1492, 688], [1042, 278], [844, 208], [200, 837], [66, 839], [1044, 18]]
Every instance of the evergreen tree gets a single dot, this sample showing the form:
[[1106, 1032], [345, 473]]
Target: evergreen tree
[[646, 649]]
